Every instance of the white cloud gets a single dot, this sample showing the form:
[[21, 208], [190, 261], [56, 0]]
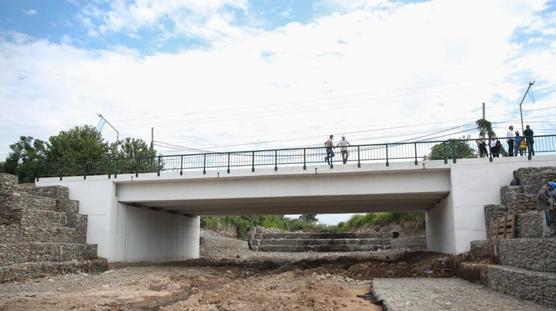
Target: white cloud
[[30, 12], [362, 69], [189, 17]]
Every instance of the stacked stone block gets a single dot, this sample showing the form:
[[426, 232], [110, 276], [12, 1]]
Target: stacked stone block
[[42, 233], [524, 267], [319, 242]]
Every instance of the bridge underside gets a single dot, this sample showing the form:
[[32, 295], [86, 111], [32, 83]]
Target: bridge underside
[[299, 204]]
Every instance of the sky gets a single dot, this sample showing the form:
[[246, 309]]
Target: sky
[[240, 75]]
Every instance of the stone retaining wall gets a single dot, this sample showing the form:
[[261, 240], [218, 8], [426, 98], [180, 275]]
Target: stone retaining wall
[[42, 233], [410, 243], [319, 242], [524, 284], [532, 178]]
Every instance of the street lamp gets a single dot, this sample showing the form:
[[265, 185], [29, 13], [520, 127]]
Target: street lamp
[[521, 103]]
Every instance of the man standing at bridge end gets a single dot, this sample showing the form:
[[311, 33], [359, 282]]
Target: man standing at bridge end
[[343, 144], [329, 144]]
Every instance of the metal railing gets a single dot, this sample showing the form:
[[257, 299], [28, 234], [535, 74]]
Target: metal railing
[[447, 150]]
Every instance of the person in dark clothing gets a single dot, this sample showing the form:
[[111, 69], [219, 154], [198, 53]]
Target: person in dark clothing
[[528, 133], [329, 144]]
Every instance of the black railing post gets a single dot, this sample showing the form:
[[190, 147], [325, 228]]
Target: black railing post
[[158, 166], [304, 159], [38, 171], [415, 149], [228, 171], [116, 169], [136, 167], [181, 164], [358, 156], [445, 153], [454, 153], [204, 163], [387, 161], [275, 160], [109, 168], [85, 170], [252, 161]]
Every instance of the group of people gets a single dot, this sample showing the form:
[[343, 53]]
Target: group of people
[[329, 144], [518, 145]]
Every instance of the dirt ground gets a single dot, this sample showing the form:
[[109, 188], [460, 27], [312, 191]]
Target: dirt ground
[[227, 278]]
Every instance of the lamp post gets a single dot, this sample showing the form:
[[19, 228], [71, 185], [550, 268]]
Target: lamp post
[[117, 133], [521, 104]]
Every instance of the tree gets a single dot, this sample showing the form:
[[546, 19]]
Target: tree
[[130, 148], [309, 218], [485, 127], [450, 149], [78, 143], [24, 158], [133, 155]]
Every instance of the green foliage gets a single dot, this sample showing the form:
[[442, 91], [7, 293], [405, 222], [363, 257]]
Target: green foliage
[[450, 149], [78, 151], [78, 143], [144, 157], [23, 159], [485, 127], [242, 224], [310, 218]]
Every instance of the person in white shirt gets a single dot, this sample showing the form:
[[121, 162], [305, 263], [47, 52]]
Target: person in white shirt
[[343, 144], [510, 140]]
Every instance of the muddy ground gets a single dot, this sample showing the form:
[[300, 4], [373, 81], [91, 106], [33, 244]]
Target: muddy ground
[[228, 277], [331, 283]]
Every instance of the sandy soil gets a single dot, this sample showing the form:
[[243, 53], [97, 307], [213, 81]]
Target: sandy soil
[[190, 288], [227, 278]]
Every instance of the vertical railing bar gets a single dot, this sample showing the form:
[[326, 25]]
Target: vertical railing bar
[[304, 159], [444, 153], [454, 153], [158, 166], [415, 150], [204, 164], [358, 156], [275, 160], [387, 161], [181, 164], [252, 161], [228, 171]]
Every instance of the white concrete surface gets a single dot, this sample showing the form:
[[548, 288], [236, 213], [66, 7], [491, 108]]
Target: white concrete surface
[[128, 234], [128, 216]]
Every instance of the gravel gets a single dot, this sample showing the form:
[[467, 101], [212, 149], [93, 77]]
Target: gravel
[[417, 294]]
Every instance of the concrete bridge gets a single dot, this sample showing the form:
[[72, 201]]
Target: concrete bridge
[[155, 217]]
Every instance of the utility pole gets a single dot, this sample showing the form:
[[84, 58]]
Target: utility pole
[[115, 130], [484, 114], [152, 137], [521, 103]]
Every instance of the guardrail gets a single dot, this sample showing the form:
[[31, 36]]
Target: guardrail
[[447, 150]]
